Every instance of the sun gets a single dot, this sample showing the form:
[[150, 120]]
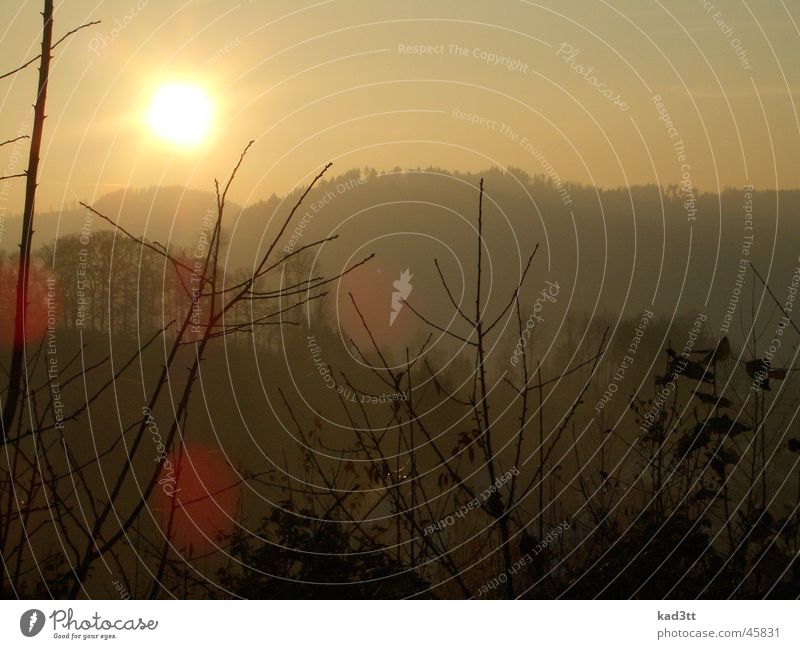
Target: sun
[[180, 113]]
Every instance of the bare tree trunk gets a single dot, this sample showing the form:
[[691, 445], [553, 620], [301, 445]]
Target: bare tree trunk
[[18, 350]]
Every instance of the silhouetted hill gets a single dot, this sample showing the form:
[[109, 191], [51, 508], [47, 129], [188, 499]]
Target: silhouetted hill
[[614, 250]]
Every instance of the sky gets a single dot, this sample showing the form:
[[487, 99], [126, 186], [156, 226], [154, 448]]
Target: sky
[[611, 93]]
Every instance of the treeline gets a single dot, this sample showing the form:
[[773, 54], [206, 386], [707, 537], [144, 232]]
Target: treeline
[[105, 283]]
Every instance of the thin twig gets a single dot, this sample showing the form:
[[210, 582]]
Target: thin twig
[[780, 306], [16, 139]]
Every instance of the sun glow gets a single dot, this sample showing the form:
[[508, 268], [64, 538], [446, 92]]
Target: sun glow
[[180, 113]]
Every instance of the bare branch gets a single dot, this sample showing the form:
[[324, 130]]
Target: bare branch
[[437, 327], [56, 44], [157, 247], [72, 31], [291, 214], [777, 301], [16, 139], [516, 291], [450, 295]]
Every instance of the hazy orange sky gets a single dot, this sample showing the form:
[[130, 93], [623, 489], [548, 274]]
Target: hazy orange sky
[[344, 81]]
